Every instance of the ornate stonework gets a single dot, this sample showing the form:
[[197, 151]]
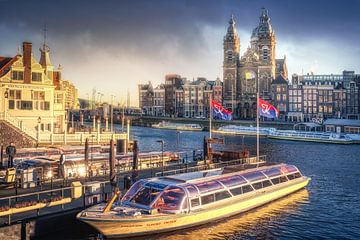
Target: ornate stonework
[[258, 64]]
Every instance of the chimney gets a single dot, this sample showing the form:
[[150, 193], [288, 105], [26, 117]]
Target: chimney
[[27, 50]]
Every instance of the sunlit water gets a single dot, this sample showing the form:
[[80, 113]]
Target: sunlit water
[[329, 207]]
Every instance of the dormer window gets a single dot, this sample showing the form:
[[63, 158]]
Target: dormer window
[[36, 77], [17, 75]]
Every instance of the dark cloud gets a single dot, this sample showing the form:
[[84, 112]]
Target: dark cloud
[[163, 31]]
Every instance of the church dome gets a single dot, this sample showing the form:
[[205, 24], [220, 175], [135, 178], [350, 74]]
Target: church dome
[[264, 27]]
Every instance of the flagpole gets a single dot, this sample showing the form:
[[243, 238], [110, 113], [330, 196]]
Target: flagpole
[[210, 115], [257, 119]]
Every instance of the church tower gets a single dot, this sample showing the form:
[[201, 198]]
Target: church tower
[[230, 65], [45, 61], [263, 42]]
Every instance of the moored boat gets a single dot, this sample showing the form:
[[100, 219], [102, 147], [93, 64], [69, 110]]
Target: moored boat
[[321, 137], [178, 126], [242, 130], [185, 200]]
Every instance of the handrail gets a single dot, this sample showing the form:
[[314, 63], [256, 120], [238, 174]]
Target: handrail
[[14, 121]]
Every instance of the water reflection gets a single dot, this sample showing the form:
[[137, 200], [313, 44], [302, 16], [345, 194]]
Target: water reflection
[[261, 223]]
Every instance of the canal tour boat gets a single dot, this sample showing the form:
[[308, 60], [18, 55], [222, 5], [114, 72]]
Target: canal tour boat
[[242, 130], [320, 137], [178, 126], [180, 201]]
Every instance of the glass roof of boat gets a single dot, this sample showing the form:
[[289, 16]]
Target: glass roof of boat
[[228, 180], [184, 177]]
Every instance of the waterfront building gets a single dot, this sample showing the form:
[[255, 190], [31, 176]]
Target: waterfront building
[[352, 101], [295, 103], [258, 64], [71, 95], [146, 98], [342, 126], [159, 101], [31, 91], [280, 95], [318, 102], [173, 82], [339, 109], [217, 90]]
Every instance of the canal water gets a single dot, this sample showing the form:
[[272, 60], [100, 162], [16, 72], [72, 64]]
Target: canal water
[[329, 207]]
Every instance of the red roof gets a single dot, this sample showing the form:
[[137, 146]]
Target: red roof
[[6, 62]]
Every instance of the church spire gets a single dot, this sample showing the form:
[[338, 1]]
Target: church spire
[[45, 52], [231, 31]]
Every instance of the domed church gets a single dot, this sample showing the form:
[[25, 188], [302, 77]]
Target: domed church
[[257, 64]]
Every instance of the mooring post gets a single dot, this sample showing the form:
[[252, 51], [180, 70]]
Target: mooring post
[[1, 155], [112, 174], [86, 158]]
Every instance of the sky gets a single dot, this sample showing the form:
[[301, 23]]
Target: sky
[[115, 45]]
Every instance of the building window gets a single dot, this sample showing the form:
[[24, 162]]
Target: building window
[[36, 77], [26, 105], [17, 75]]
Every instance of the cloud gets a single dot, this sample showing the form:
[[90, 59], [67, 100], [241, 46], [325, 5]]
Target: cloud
[[113, 45]]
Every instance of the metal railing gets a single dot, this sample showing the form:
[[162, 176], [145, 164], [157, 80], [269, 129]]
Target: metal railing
[[34, 202], [17, 123]]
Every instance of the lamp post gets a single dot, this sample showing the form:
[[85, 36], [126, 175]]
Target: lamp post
[[112, 113], [6, 96], [177, 140], [162, 155], [38, 129]]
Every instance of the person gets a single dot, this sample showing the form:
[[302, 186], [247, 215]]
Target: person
[[62, 165], [11, 151]]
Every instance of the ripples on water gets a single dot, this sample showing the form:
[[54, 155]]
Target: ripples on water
[[328, 209]]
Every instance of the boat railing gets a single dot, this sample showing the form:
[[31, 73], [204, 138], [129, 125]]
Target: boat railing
[[30, 205], [249, 160]]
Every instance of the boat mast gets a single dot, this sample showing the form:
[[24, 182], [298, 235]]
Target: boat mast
[[210, 115], [257, 118]]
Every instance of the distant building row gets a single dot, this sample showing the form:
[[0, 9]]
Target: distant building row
[[318, 96], [179, 97]]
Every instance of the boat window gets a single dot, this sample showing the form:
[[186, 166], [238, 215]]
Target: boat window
[[289, 169], [236, 191], [272, 172], [297, 175], [253, 176], [257, 185], [134, 188], [170, 199], [207, 199], [208, 186], [222, 195], [246, 189], [275, 180], [145, 195], [192, 191], [283, 179], [232, 181], [195, 202], [291, 176], [266, 183]]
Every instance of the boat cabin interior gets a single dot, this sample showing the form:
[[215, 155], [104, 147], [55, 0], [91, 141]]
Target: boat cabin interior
[[193, 191]]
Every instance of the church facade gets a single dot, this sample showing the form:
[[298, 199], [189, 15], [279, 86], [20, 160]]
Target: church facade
[[257, 67]]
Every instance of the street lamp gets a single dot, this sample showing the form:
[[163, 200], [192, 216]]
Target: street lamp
[[38, 128], [177, 140], [162, 155], [112, 113]]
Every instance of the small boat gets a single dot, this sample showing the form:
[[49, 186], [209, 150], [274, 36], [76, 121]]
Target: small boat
[[321, 137], [178, 126], [181, 201], [242, 130]]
